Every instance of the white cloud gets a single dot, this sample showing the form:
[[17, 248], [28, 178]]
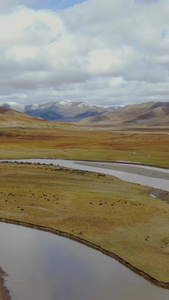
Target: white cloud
[[24, 52], [97, 51]]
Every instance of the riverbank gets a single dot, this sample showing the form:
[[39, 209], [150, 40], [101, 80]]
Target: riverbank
[[130, 167], [118, 218], [4, 293], [62, 140]]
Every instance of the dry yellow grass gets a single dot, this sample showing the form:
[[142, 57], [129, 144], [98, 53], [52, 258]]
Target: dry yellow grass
[[58, 140], [117, 216]]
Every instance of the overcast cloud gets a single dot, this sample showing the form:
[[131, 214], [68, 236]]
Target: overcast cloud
[[111, 52]]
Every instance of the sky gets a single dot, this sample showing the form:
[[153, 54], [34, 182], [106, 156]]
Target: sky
[[111, 52]]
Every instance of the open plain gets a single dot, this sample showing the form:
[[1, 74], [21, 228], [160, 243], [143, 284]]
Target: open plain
[[68, 141]]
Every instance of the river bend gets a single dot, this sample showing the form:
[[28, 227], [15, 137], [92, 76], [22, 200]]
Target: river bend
[[44, 266]]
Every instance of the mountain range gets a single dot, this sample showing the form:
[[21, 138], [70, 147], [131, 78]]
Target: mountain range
[[85, 114], [62, 111]]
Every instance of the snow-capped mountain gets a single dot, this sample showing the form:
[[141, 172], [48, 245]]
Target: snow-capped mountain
[[64, 111], [14, 106]]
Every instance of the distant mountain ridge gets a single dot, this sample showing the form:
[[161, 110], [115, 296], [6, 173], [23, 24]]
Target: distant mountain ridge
[[85, 114], [63, 111], [144, 114]]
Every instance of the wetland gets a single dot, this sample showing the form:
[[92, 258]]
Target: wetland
[[84, 234]]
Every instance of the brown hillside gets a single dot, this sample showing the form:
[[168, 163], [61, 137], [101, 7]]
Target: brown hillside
[[145, 114], [8, 115]]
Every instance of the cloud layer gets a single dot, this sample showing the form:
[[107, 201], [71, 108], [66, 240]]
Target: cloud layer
[[104, 52]]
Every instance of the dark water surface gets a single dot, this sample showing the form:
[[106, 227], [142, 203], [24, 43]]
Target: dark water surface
[[44, 266]]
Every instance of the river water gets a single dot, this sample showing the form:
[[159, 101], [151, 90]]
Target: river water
[[145, 175], [44, 266]]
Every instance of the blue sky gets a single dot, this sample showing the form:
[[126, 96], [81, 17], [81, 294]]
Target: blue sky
[[53, 4]]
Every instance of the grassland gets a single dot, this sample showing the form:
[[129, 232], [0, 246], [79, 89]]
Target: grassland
[[56, 140], [119, 217]]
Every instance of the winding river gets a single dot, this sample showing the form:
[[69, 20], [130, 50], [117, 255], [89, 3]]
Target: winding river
[[44, 266], [145, 175]]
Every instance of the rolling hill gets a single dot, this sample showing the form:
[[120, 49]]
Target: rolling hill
[[145, 114], [8, 115]]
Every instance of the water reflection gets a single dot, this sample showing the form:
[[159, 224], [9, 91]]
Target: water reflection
[[44, 266]]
